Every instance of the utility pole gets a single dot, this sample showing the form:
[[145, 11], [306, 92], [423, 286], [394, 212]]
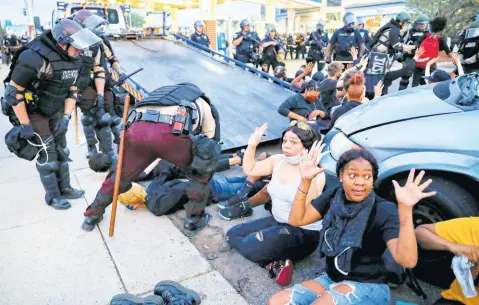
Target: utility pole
[[31, 24]]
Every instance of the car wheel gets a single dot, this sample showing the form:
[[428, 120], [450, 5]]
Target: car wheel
[[451, 201]]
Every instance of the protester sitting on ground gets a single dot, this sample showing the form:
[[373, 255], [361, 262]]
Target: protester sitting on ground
[[300, 78], [280, 72], [328, 88], [461, 237], [356, 92], [358, 227], [303, 106], [271, 242]]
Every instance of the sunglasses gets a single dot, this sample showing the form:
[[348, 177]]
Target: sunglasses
[[301, 125]]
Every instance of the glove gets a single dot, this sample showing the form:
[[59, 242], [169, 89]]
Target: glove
[[100, 101], [27, 131], [61, 128], [328, 60]]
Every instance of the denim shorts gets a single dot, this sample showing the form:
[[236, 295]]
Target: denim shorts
[[362, 294]]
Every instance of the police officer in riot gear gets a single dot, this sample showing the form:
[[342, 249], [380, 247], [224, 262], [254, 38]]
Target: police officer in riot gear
[[180, 125], [246, 43], [318, 41], [469, 49], [96, 101], [388, 38], [368, 40], [345, 38], [411, 37], [198, 36], [271, 45], [41, 97]]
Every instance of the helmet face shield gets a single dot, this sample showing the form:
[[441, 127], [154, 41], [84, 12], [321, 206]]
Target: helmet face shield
[[472, 33], [84, 39], [349, 19], [93, 22]]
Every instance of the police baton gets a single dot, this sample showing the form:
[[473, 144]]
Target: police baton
[[121, 80], [116, 189], [77, 139]]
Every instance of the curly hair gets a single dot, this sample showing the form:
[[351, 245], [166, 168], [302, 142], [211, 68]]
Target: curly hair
[[438, 24], [355, 154], [136, 195]]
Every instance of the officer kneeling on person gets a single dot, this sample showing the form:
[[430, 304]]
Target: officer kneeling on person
[[345, 38], [198, 36], [175, 123], [39, 100]]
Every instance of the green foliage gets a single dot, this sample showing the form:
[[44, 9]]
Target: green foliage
[[137, 20], [457, 12]]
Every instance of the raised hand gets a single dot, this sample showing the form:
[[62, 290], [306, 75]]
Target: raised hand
[[257, 135], [413, 191], [378, 89], [419, 52], [308, 164]]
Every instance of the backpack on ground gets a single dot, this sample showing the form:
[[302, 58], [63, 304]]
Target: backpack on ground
[[431, 47], [166, 197]]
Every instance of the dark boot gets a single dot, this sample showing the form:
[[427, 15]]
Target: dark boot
[[131, 299], [49, 180], [64, 182], [92, 151], [176, 294], [94, 213], [106, 145], [237, 211], [196, 222]]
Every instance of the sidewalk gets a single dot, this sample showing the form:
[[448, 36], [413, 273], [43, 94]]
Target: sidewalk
[[45, 258]]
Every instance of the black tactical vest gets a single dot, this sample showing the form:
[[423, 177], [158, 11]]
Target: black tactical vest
[[53, 89], [88, 62], [345, 41], [470, 47], [173, 95]]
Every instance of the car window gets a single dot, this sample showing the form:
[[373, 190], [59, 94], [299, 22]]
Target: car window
[[113, 17], [462, 92]]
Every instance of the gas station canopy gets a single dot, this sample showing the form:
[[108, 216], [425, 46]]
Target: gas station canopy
[[166, 5]]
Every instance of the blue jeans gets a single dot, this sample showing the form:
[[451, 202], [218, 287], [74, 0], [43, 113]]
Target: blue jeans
[[362, 294], [222, 188]]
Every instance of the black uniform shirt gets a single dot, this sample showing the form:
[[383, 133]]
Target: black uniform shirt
[[201, 38]]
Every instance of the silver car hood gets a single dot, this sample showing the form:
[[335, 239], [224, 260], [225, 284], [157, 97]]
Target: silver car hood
[[399, 106]]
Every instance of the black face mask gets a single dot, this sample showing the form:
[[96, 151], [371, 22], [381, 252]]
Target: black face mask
[[349, 28]]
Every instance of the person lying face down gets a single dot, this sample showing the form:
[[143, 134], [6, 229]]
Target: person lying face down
[[271, 242], [358, 226]]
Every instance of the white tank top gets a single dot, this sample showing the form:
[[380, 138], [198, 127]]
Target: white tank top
[[282, 197]]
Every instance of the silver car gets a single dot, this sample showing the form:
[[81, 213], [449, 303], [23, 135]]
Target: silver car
[[435, 128]]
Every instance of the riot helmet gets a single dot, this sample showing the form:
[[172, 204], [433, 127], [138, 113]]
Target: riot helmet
[[89, 20], [473, 30], [70, 33], [320, 25], [199, 23], [271, 28], [403, 18], [360, 23], [349, 20], [421, 22], [245, 23]]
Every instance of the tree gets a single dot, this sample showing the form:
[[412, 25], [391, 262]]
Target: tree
[[137, 20], [457, 12]]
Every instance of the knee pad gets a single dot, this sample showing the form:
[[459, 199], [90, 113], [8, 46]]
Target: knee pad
[[103, 119], [87, 120], [63, 153], [100, 163], [116, 120]]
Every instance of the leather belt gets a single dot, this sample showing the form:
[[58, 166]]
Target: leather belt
[[155, 117]]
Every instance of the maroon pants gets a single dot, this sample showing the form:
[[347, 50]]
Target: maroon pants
[[144, 143]]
